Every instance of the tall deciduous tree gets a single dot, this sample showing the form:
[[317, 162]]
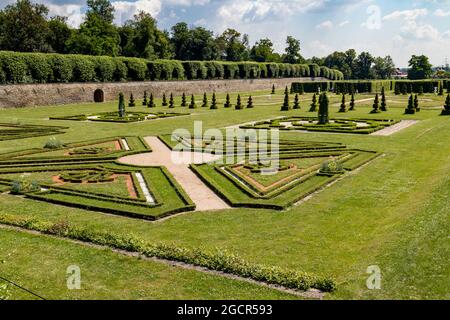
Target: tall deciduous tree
[[292, 50], [24, 27], [419, 68]]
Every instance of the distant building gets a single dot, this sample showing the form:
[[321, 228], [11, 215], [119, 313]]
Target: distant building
[[399, 74]]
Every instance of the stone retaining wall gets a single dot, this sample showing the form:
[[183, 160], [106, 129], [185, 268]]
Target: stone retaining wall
[[13, 96]]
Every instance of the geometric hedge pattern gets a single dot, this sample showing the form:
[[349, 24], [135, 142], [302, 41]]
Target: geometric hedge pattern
[[127, 118], [21, 131], [86, 175], [356, 126], [304, 167]]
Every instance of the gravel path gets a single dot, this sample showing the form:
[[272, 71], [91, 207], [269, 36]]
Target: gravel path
[[395, 128], [204, 198]]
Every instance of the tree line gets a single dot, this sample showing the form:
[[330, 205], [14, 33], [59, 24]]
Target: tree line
[[27, 27]]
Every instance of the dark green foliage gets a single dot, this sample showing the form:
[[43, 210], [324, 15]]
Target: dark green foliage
[[343, 107], [213, 102], [250, 102], [53, 143], [273, 89], [410, 109], [313, 104], [397, 90], [286, 106], [205, 103], [421, 91], [441, 89], [145, 100], [323, 117], [195, 70], [404, 89], [171, 101], [383, 100], [238, 105], [446, 111], [192, 105], [352, 103], [164, 100], [227, 101], [151, 101], [416, 86], [183, 100], [121, 105], [132, 103], [296, 102], [416, 103], [301, 89], [291, 90], [376, 105]]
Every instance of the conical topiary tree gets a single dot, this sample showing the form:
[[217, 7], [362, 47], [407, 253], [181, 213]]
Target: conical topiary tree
[[383, 100], [213, 101], [171, 102], [313, 104], [205, 103], [121, 105], [227, 101], [145, 100], [132, 103], [286, 106], [376, 105], [238, 105], [183, 100], [164, 100], [446, 111], [352, 103], [250, 102], [343, 108], [151, 101], [441, 89], [416, 103], [410, 109], [297, 102], [273, 89], [323, 109], [192, 105]]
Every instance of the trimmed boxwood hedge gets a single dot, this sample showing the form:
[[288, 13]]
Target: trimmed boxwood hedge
[[217, 260], [16, 67]]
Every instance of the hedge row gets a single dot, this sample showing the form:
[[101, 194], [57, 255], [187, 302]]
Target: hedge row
[[217, 260], [418, 86], [18, 67], [343, 86]]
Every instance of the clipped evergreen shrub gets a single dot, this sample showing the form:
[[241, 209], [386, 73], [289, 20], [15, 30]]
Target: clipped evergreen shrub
[[446, 111], [192, 105], [410, 108], [205, 103], [132, 103], [250, 102], [296, 102], [313, 107], [323, 117], [213, 102], [343, 107], [238, 105], [376, 105], [121, 105], [227, 103]]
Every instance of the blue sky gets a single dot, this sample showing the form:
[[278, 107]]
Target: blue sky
[[399, 28]]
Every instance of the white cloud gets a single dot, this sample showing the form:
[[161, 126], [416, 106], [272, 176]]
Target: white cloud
[[441, 13], [406, 14], [73, 12], [125, 10], [325, 25], [343, 23]]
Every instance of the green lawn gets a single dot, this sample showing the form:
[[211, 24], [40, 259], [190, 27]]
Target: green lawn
[[392, 213]]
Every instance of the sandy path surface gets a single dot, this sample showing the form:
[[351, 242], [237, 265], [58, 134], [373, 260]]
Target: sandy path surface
[[204, 198], [395, 128]]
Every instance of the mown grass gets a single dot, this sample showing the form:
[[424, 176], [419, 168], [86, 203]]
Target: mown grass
[[380, 215]]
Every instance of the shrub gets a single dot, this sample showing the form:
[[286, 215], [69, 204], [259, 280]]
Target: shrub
[[192, 105], [195, 70], [205, 103], [213, 101], [332, 167], [286, 106], [263, 73], [296, 102], [231, 70], [151, 101], [62, 68], [352, 103], [132, 103], [383, 100], [249, 70], [121, 105], [323, 109], [53, 143], [227, 101], [120, 71], [313, 104], [314, 70], [83, 68], [214, 70], [14, 66], [171, 101], [376, 105], [410, 108], [39, 67], [238, 105], [446, 111], [137, 68], [250, 102], [343, 108], [105, 69], [273, 70], [183, 100]]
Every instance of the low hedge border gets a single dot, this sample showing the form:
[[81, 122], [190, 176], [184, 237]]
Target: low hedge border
[[216, 260], [23, 131]]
